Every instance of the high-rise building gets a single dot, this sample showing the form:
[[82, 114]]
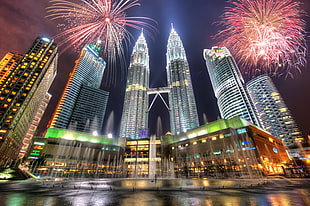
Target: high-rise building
[[83, 103], [34, 125], [22, 92], [228, 85], [276, 117], [183, 111], [7, 64], [135, 111]]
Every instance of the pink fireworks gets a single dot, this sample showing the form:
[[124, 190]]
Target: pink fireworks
[[265, 36], [90, 21]]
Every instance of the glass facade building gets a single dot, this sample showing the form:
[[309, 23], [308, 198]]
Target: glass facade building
[[183, 111], [276, 117], [84, 82], [228, 85], [22, 92], [135, 112], [89, 110]]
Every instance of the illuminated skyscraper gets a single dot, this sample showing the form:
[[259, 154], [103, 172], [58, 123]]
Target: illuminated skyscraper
[[183, 111], [22, 92], [135, 115], [82, 103], [228, 85], [7, 64], [275, 116]]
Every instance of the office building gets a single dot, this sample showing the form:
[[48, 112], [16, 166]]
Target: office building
[[183, 111], [276, 117], [228, 85], [22, 93], [135, 112], [80, 104]]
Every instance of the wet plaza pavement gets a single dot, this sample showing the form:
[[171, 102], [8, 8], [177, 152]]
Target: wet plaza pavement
[[133, 192]]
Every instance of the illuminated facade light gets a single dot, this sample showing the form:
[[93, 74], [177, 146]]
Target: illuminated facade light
[[79, 136], [46, 39]]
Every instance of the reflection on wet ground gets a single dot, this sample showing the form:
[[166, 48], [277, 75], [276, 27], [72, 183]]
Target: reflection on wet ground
[[129, 192]]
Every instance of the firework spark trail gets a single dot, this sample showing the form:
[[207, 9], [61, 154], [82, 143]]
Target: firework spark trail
[[88, 21], [265, 36]]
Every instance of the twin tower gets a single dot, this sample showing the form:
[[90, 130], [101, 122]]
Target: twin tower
[[182, 107]]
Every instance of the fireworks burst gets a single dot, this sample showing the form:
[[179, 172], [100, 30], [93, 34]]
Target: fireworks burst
[[265, 36], [88, 21]]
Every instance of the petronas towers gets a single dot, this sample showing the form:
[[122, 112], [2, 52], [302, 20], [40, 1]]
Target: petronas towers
[[135, 115], [182, 106], [183, 112]]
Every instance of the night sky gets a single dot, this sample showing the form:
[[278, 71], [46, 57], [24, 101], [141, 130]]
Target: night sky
[[23, 20]]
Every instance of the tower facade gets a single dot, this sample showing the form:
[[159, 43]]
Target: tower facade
[[84, 81], [276, 117], [34, 125], [228, 85], [183, 111], [22, 92], [135, 111]]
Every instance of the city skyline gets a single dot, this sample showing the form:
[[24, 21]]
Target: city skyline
[[195, 31]]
